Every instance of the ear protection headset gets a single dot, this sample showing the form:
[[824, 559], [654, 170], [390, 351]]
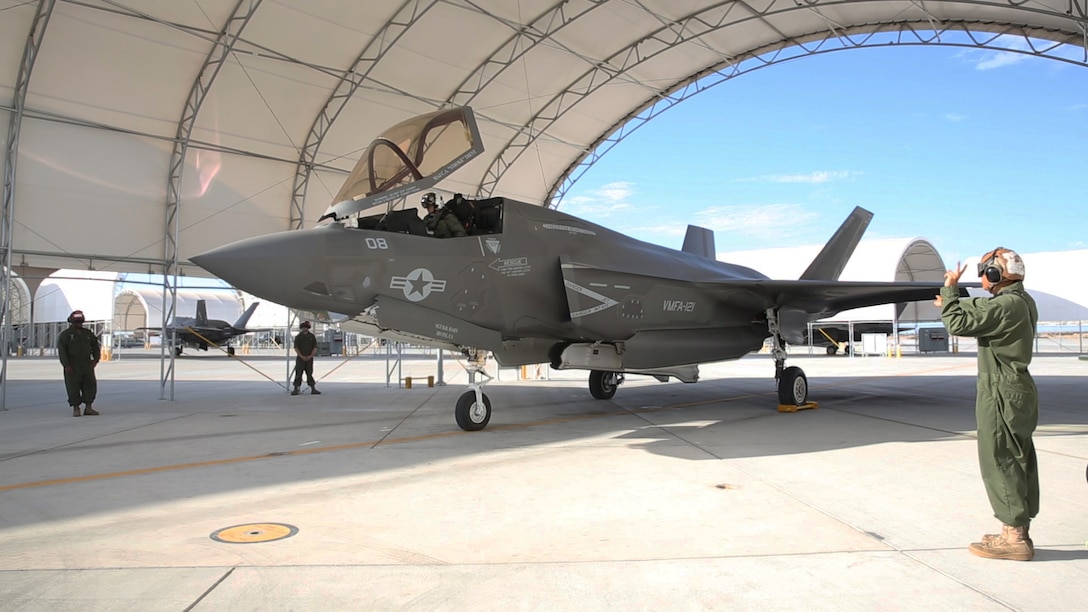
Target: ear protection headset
[[988, 267], [72, 318]]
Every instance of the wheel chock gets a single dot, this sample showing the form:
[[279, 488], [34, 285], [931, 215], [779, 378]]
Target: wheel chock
[[793, 408]]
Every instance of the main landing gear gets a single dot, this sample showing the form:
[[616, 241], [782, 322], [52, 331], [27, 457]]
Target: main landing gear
[[603, 385], [473, 409], [792, 383]]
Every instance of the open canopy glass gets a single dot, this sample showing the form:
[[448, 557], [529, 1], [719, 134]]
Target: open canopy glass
[[408, 157]]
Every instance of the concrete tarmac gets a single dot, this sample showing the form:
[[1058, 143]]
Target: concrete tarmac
[[236, 496]]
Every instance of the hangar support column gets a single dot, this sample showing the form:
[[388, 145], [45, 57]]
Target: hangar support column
[[221, 49], [26, 68]]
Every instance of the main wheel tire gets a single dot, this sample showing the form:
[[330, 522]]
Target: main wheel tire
[[792, 387], [471, 415], [177, 351], [230, 351], [831, 350], [602, 385]]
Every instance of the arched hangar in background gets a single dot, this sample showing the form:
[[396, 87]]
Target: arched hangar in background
[[143, 307]]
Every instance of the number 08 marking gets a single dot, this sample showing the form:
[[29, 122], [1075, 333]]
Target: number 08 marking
[[376, 243]]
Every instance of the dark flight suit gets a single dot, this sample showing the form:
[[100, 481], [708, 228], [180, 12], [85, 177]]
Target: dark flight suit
[[445, 224], [305, 343], [78, 347], [1007, 402]]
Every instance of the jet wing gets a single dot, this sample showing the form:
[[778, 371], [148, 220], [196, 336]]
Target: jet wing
[[830, 297], [612, 304]]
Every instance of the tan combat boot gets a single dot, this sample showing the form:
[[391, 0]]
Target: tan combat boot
[[88, 411], [75, 411], [993, 536], [1012, 544]]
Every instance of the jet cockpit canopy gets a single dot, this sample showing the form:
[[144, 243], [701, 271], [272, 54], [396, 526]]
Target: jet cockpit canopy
[[409, 157]]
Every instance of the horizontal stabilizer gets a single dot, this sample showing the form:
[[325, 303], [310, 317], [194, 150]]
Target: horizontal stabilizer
[[700, 241]]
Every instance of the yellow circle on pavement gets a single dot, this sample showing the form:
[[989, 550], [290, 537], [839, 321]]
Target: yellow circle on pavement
[[253, 533]]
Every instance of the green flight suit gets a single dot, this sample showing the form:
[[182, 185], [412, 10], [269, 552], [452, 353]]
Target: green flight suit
[[305, 344], [445, 224], [78, 348], [1007, 402]]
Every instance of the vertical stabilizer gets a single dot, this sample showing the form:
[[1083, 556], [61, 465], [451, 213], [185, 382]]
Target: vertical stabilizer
[[201, 313], [700, 241], [242, 320], [831, 260]]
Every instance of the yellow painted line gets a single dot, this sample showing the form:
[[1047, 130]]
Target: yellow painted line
[[420, 438]]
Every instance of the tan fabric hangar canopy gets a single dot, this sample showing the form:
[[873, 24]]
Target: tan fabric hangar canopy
[[141, 132]]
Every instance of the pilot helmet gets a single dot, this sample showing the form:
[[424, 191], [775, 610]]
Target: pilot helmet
[[304, 325], [429, 199]]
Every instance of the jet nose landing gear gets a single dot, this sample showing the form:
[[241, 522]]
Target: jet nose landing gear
[[473, 410]]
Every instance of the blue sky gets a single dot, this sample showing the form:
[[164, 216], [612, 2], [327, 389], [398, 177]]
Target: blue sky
[[967, 148]]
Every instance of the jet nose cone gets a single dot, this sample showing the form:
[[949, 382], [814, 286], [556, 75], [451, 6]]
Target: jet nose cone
[[274, 267]]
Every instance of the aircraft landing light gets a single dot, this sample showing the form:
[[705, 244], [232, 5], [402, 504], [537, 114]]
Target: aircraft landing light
[[792, 408], [254, 533]]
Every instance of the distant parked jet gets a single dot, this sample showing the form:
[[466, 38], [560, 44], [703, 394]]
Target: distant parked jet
[[197, 332]]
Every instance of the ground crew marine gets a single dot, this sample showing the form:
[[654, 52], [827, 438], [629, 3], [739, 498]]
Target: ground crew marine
[[79, 353], [1007, 403], [305, 350]]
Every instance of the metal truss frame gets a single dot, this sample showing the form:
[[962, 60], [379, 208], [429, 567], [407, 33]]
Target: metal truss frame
[[884, 35], [26, 69], [221, 49]]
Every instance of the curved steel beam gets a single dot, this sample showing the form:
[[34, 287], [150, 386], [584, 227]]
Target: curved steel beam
[[905, 35], [706, 20], [350, 81], [7, 220], [228, 36]]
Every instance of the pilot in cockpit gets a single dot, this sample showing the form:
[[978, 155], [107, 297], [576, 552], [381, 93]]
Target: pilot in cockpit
[[441, 222]]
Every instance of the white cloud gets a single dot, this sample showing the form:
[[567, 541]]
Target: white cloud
[[755, 220], [603, 201], [1000, 59], [954, 117], [988, 59], [815, 178]]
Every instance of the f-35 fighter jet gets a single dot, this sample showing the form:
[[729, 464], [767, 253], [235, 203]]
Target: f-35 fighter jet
[[534, 285], [198, 331]]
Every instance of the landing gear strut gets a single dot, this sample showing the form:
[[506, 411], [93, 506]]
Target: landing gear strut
[[792, 383], [473, 409]]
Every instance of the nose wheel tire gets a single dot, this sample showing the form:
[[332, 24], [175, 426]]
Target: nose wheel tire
[[603, 385], [471, 414], [792, 387]]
